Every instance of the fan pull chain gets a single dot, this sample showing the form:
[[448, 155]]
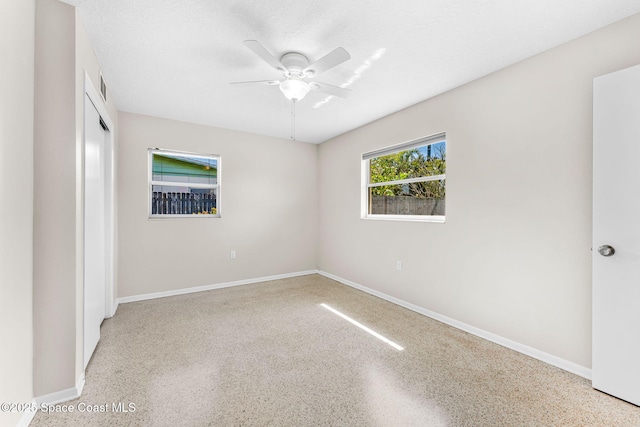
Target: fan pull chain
[[293, 120]]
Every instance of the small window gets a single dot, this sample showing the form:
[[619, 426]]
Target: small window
[[406, 181], [183, 184]]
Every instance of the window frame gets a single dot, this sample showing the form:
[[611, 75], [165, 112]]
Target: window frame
[[217, 186], [367, 185]]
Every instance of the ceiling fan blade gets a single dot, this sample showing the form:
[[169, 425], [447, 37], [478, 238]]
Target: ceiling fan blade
[[331, 89], [330, 60], [266, 56], [263, 82]]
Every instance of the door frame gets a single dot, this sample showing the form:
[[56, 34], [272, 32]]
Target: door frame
[[109, 179]]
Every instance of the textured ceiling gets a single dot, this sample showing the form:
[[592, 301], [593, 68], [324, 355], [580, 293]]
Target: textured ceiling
[[175, 59]]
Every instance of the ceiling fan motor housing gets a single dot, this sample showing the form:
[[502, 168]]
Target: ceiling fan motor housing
[[295, 63]]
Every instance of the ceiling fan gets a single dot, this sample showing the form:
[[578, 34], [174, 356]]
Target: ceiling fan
[[298, 72]]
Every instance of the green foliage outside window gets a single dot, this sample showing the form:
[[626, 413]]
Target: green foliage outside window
[[414, 163]]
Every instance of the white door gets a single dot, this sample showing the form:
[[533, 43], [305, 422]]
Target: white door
[[616, 234], [95, 235]]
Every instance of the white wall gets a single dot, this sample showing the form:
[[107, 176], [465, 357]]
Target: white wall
[[62, 53], [17, 23], [513, 257], [268, 203], [54, 200]]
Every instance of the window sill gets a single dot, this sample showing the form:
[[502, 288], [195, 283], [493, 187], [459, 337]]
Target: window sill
[[154, 217], [407, 218]]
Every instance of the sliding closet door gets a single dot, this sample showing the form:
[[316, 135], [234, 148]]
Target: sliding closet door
[[95, 232]]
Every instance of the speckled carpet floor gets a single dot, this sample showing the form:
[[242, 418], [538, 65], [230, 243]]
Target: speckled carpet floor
[[268, 354]]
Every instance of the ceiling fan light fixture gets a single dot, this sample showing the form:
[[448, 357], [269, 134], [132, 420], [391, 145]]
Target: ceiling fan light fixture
[[294, 89]]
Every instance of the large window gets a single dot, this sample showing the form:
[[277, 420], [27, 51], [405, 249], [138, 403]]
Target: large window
[[183, 184], [406, 181]]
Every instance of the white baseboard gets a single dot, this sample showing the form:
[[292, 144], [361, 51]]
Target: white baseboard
[[184, 291], [62, 395], [558, 362]]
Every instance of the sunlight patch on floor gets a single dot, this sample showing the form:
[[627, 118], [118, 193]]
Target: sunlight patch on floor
[[390, 402]]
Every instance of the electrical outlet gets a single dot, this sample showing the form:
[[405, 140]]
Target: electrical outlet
[[233, 254], [399, 265]]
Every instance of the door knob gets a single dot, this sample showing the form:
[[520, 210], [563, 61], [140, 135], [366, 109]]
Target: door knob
[[606, 250]]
